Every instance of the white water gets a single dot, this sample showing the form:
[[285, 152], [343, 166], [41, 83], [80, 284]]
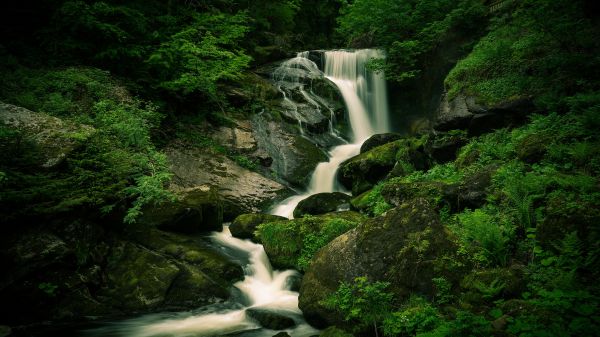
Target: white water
[[365, 96], [261, 287]]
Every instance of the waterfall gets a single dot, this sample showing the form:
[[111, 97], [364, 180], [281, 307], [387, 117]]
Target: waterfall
[[365, 96], [262, 287]]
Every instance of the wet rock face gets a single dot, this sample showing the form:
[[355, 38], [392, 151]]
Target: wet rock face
[[464, 113], [401, 247], [294, 157], [322, 203], [378, 140], [240, 190], [52, 137]]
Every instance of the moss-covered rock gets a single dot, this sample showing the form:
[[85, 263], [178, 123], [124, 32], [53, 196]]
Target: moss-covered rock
[[485, 286], [322, 203], [362, 172], [378, 140], [443, 147], [406, 247], [244, 225], [397, 192], [196, 210], [284, 240]]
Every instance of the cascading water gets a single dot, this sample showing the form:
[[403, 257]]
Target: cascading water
[[262, 288], [365, 96], [366, 101]]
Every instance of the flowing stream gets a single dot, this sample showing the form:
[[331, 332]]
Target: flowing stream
[[364, 94]]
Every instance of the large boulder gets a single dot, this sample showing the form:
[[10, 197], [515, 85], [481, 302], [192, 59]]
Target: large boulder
[[52, 138], [194, 210], [405, 246], [241, 190], [244, 225], [465, 113], [397, 158], [322, 203]]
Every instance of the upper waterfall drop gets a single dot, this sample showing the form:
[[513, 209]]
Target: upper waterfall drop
[[365, 96], [364, 91]]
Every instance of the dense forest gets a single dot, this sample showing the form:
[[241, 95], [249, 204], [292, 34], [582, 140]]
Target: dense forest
[[132, 129]]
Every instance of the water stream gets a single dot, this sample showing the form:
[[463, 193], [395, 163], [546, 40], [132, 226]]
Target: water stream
[[262, 287], [365, 96]]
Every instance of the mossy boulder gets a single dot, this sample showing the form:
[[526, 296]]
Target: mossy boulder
[[195, 210], [362, 172], [138, 278], [407, 246], [322, 203], [378, 140], [397, 192], [286, 243], [244, 225]]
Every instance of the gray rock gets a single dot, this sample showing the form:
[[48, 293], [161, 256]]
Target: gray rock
[[378, 140], [241, 190], [54, 137], [270, 319]]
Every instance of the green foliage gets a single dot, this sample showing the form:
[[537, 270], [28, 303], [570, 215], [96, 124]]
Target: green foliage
[[363, 302], [487, 232], [532, 52], [442, 290], [447, 173], [415, 317], [375, 204], [202, 54], [48, 288], [408, 30], [297, 241]]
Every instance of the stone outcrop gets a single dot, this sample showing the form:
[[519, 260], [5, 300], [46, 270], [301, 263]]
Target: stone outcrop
[[244, 225], [241, 190], [322, 203], [464, 113]]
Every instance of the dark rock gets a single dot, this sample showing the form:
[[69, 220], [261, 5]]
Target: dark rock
[[270, 319], [244, 225], [362, 172], [443, 147], [53, 139], [378, 140], [462, 112], [508, 282], [360, 252], [196, 210], [321, 203]]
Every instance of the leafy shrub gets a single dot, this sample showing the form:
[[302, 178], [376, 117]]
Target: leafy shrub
[[363, 302], [415, 317]]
